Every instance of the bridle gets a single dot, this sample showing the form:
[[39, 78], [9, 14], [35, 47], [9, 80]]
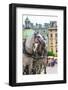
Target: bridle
[[33, 54]]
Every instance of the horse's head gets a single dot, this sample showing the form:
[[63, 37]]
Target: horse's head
[[39, 46]]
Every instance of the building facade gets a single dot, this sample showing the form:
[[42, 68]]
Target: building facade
[[42, 29], [52, 38]]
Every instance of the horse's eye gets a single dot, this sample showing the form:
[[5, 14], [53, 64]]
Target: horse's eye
[[38, 36]]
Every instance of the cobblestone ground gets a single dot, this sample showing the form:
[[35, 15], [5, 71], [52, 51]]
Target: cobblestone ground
[[50, 70]]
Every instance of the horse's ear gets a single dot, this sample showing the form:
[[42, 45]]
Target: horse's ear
[[35, 34]]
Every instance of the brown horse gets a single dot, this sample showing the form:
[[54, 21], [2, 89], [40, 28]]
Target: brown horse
[[34, 55]]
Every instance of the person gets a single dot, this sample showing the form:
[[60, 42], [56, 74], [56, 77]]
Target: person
[[52, 63]]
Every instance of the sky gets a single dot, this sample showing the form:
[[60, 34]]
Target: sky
[[39, 19]]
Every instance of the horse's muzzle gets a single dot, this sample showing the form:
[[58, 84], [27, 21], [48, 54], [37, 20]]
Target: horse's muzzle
[[37, 55]]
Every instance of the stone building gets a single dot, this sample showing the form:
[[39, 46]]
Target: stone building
[[52, 37], [42, 29]]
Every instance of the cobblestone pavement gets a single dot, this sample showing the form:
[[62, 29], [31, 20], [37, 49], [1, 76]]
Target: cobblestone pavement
[[50, 70]]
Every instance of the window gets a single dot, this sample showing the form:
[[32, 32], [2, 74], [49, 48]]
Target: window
[[51, 49], [56, 35], [51, 30], [51, 35], [56, 50], [56, 42]]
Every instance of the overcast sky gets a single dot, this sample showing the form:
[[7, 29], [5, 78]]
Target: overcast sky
[[39, 19]]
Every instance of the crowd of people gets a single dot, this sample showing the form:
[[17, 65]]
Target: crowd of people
[[51, 61]]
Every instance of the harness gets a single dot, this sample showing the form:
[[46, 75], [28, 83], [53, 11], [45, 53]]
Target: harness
[[31, 55]]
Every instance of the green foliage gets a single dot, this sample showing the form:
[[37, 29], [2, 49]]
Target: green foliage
[[27, 33], [50, 53]]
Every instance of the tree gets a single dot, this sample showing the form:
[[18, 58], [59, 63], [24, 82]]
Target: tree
[[50, 53]]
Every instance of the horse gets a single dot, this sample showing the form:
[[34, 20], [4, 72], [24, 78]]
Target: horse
[[34, 54]]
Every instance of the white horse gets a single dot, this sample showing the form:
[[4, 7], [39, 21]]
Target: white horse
[[35, 54]]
